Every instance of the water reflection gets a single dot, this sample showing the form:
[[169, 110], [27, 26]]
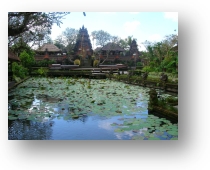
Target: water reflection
[[88, 115], [30, 130]]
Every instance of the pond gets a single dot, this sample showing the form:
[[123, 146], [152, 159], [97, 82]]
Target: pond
[[83, 109]]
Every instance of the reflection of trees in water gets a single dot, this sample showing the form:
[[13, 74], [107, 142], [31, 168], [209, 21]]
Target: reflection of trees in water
[[83, 118], [29, 130]]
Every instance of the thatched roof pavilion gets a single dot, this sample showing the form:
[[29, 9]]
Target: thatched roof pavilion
[[112, 47], [51, 48]]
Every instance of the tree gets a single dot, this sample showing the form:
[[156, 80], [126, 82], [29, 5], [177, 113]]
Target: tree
[[129, 40], [66, 41], [27, 59], [102, 37], [20, 22], [126, 43], [32, 26], [70, 37], [20, 46], [161, 55]]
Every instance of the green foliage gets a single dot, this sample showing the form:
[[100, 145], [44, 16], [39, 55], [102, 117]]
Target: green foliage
[[95, 63], [163, 104], [32, 26], [138, 64], [19, 71], [77, 62], [21, 46], [90, 98], [147, 69], [170, 64], [172, 100], [42, 71], [102, 37], [27, 59], [162, 56], [125, 43], [17, 79], [137, 72]]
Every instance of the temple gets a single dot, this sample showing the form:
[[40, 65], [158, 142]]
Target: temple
[[50, 52], [113, 50], [134, 48], [83, 47], [84, 52], [116, 53]]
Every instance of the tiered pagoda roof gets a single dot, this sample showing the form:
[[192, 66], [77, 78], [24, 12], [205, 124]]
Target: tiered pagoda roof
[[83, 40], [134, 48]]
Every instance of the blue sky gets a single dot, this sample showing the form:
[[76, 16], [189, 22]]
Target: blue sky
[[151, 26]]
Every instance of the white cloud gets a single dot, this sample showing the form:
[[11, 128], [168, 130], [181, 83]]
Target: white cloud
[[141, 47], [171, 15], [154, 37], [105, 125], [130, 27]]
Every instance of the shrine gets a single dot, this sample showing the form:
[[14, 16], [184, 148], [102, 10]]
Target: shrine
[[83, 51], [113, 50], [49, 52], [83, 47], [134, 52]]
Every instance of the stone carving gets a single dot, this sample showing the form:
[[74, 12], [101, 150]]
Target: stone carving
[[153, 99], [145, 75], [163, 77]]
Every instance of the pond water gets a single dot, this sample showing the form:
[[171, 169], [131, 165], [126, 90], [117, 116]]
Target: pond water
[[83, 109]]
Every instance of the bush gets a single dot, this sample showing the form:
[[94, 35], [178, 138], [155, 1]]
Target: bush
[[172, 100], [137, 72], [139, 67], [95, 63], [139, 64], [19, 70], [17, 79], [77, 62], [147, 69], [42, 71]]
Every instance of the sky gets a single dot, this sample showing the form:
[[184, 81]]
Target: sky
[[151, 26]]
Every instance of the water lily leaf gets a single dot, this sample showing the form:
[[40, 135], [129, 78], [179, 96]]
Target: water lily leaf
[[12, 118], [22, 116], [175, 133], [75, 116], [118, 111], [105, 98], [119, 130], [114, 124]]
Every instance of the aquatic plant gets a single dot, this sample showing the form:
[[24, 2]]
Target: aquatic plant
[[42, 99]]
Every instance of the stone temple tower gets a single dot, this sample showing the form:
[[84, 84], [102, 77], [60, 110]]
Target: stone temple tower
[[83, 47], [134, 48]]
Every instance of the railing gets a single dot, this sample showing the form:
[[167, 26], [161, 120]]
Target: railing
[[51, 57]]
